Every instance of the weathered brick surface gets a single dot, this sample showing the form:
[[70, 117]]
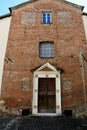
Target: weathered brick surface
[[26, 31]]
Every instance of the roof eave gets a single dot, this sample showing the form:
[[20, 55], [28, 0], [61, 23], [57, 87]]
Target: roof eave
[[5, 16], [75, 5], [84, 13], [22, 4], [31, 1]]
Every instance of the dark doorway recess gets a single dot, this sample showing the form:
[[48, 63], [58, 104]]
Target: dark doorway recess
[[68, 113], [25, 112]]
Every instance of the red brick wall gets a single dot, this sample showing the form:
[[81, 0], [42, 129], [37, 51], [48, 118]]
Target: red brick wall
[[26, 31]]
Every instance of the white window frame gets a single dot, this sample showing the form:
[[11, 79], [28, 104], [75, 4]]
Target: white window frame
[[47, 17]]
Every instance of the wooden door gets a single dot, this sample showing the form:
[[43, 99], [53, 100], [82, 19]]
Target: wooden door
[[46, 95]]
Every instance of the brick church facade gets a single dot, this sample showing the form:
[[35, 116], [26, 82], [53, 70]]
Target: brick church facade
[[45, 67]]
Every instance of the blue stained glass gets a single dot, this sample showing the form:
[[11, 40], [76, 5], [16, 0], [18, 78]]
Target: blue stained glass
[[44, 15], [48, 20], [44, 18], [48, 15]]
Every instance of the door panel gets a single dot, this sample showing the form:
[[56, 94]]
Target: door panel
[[46, 95]]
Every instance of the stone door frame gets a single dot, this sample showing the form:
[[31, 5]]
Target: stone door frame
[[39, 73]]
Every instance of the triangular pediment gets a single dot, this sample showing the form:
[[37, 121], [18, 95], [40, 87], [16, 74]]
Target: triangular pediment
[[46, 67]]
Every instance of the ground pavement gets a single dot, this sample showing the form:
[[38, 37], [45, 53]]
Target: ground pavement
[[42, 123]]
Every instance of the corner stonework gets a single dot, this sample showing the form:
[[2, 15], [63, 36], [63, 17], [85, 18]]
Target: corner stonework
[[2, 107]]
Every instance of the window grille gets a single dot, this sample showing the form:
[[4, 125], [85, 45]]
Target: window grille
[[46, 50]]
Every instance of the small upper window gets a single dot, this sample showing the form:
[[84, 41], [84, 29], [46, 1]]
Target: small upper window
[[46, 50], [46, 18]]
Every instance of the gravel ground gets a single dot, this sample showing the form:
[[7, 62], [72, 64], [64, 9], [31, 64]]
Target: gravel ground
[[42, 123]]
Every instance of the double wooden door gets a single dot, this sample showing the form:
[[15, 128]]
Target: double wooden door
[[46, 95]]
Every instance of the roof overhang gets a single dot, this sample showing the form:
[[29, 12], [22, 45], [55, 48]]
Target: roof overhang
[[31, 1], [84, 13], [5, 16]]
